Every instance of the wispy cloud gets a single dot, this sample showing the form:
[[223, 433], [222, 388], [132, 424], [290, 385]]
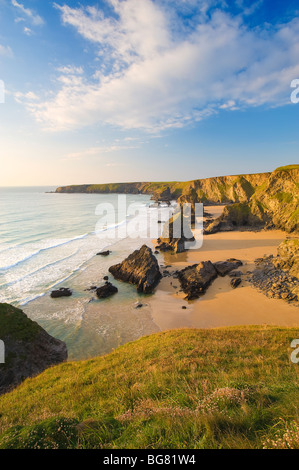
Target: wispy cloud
[[28, 31], [6, 51], [28, 13], [98, 151], [152, 77]]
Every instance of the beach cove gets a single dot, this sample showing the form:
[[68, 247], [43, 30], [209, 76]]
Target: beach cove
[[92, 327]]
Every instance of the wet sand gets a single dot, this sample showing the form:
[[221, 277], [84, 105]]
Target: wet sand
[[222, 305]]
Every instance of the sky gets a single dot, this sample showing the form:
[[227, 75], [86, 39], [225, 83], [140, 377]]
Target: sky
[[146, 90]]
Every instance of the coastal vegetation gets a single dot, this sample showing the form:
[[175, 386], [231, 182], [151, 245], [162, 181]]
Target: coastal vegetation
[[262, 199], [212, 388], [29, 349]]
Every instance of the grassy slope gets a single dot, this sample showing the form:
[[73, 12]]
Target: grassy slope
[[187, 388]]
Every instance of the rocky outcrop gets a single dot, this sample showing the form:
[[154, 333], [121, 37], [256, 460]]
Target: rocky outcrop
[[107, 290], [104, 253], [288, 256], [29, 349], [176, 233], [140, 268], [278, 277], [225, 267], [196, 279], [274, 204], [62, 292]]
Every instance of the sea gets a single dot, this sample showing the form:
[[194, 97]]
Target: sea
[[50, 240]]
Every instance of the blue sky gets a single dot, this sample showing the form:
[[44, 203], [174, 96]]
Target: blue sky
[[136, 90]]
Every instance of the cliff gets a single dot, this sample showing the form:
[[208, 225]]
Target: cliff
[[253, 199], [29, 349], [273, 203]]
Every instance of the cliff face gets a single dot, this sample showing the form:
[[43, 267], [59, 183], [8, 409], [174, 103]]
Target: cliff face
[[254, 199], [274, 203], [219, 189], [29, 349]]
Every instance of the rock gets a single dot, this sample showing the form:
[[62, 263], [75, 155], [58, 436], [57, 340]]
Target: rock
[[140, 268], [91, 288], [277, 277], [29, 349], [138, 305], [104, 253], [197, 278], [224, 267], [166, 273], [62, 292], [157, 252], [235, 282], [217, 225], [176, 232], [235, 274], [106, 291], [106, 278], [184, 307]]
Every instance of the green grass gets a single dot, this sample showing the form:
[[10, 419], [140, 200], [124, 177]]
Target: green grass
[[283, 197], [288, 167], [216, 388], [13, 323]]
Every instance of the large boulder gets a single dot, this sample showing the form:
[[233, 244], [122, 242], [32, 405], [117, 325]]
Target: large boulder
[[196, 279], [225, 267], [29, 349], [140, 268]]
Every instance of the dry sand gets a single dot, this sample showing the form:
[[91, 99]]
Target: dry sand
[[222, 305]]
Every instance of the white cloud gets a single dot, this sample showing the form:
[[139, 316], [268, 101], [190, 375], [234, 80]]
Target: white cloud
[[28, 31], [5, 51], [149, 77], [34, 17], [98, 151]]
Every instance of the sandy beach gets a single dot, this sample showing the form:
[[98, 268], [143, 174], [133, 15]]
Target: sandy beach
[[222, 305]]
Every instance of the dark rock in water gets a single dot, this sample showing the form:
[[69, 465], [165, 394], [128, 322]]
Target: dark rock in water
[[29, 349], [196, 279], [235, 274], [104, 253], [157, 252], [224, 267], [91, 288], [106, 278], [106, 291], [140, 268], [62, 292], [138, 305], [235, 282]]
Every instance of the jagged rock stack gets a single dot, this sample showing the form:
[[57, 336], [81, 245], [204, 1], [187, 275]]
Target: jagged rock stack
[[140, 268]]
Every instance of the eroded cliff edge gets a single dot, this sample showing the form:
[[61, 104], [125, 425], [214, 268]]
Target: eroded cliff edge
[[261, 199]]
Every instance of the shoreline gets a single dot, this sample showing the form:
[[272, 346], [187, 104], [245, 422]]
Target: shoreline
[[222, 305], [93, 327]]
